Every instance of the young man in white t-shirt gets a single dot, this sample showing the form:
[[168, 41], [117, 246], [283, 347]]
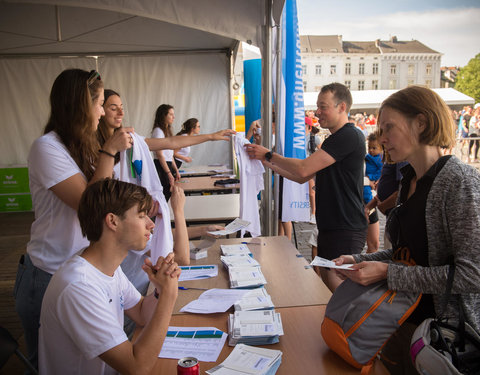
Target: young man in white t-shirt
[[81, 322]]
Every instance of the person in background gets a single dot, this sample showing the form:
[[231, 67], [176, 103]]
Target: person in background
[[81, 329], [162, 128], [339, 169], [313, 144], [61, 163], [474, 132], [189, 127], [435, 224], [373, 169]]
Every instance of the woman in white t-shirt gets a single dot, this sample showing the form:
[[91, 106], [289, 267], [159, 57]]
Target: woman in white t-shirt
[[166, 168], [189, 127], [60, 165]]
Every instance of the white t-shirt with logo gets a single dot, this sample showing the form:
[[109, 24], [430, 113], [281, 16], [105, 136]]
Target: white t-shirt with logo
[[167, 154], [55, 235], [82, 317]]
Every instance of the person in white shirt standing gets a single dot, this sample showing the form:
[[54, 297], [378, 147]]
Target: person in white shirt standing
[[81, 330], [189, 127]]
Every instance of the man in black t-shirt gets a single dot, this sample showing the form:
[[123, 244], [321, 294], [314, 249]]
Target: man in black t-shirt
[[339, 170]]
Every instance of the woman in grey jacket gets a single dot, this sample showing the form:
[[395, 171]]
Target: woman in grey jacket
[[436, 222]]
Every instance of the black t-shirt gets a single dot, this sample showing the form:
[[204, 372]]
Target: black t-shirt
[[339, 187], [407, 228]]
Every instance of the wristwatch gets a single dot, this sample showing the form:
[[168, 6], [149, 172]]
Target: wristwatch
[[268, 156]]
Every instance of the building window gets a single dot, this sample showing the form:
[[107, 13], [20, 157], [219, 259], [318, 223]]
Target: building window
[[375, 84], [304, 86], [348, 68], [318, 70], [411, 69], [428, 83], [361, 85], [410, 82], [361, 68], [304, 69], [393, 69], [428, 70], [348, 84], [375, 68], [333, 69], [392, 84]]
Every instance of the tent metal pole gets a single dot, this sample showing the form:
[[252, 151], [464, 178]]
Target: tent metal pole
[[267, 119], [278, 85]]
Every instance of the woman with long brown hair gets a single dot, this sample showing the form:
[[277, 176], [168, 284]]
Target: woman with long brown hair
[[61, 164]]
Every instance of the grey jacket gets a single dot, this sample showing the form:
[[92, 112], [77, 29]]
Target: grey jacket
[[453, 231]]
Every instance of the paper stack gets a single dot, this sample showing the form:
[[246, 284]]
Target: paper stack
[[256, 299], [236, 249], [242, 260], [246, 359], [246, 277], [254, 327]]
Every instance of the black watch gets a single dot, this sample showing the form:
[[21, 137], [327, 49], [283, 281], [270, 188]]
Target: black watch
[[268, 156]]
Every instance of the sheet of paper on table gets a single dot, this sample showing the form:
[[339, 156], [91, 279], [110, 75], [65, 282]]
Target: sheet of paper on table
[[238, 260], [255, 299], [235, 249], [322, 262], [233, 227], [198, 272], [214, 301], [245, 359], [203, 343]]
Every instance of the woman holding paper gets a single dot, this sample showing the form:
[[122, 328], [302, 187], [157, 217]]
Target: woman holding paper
[[436, 223]]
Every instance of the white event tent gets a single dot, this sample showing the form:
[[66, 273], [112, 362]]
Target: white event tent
[[370, 100], [150, 51]]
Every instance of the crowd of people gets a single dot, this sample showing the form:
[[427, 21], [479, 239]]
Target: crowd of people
[[85, 266]]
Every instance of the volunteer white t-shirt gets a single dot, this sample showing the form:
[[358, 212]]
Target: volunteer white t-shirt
[[185, 151], [82, 317], [55, 234], [167, 154]]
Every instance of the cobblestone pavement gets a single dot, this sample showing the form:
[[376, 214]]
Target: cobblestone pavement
[[304, 233]]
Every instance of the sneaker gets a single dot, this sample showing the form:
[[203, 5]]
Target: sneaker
[[313, 220]]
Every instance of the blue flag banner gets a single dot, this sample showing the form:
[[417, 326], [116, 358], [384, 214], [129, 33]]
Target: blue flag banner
[[296, 204], [252, 75]]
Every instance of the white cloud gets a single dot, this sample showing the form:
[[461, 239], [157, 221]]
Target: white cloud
[[453, 32]]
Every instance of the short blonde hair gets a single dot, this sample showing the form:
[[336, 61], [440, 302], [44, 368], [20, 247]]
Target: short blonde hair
[[416, 100]]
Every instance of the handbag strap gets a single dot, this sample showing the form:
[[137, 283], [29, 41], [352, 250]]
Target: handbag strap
[[448, 291]]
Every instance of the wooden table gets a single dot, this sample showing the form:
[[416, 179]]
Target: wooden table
[[205, 184], [219, 208], [203, 170], [302, 345], [289, 283]]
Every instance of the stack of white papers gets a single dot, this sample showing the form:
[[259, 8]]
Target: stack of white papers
[[242, 260], [214, 301], [254, 327], [246, 277], [255, 299], [237, 249], [246, 359], [198, 272], [203, 343]]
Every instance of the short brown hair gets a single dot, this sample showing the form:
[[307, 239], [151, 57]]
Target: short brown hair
[[340, 92], [109, 196], [416, 100]]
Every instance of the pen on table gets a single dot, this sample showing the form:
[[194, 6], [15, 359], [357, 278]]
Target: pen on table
[[185, 288], [253, 243]]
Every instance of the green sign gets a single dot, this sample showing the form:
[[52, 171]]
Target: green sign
[[15, 202], [14, 180]]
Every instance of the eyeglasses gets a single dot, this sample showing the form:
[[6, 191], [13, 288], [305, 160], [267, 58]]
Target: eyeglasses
[[93, 76]]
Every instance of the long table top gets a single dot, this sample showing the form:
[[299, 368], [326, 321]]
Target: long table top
[[304, 350], [289, 283], [203, 170]]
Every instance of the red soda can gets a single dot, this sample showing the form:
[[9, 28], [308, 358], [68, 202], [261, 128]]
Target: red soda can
[[188, 366]]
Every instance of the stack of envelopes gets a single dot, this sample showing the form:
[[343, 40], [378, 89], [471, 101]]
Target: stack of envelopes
[[260, 327]]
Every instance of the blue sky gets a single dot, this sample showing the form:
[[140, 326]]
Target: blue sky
[[449, 27]]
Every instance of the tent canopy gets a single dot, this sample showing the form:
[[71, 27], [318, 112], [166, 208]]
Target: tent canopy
[[370, 100], [152, 52]]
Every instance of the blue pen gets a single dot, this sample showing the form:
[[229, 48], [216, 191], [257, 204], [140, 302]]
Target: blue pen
[[253, 243], [185, 288]]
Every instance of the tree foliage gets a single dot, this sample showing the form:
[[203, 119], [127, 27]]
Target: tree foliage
[[468, 79]]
